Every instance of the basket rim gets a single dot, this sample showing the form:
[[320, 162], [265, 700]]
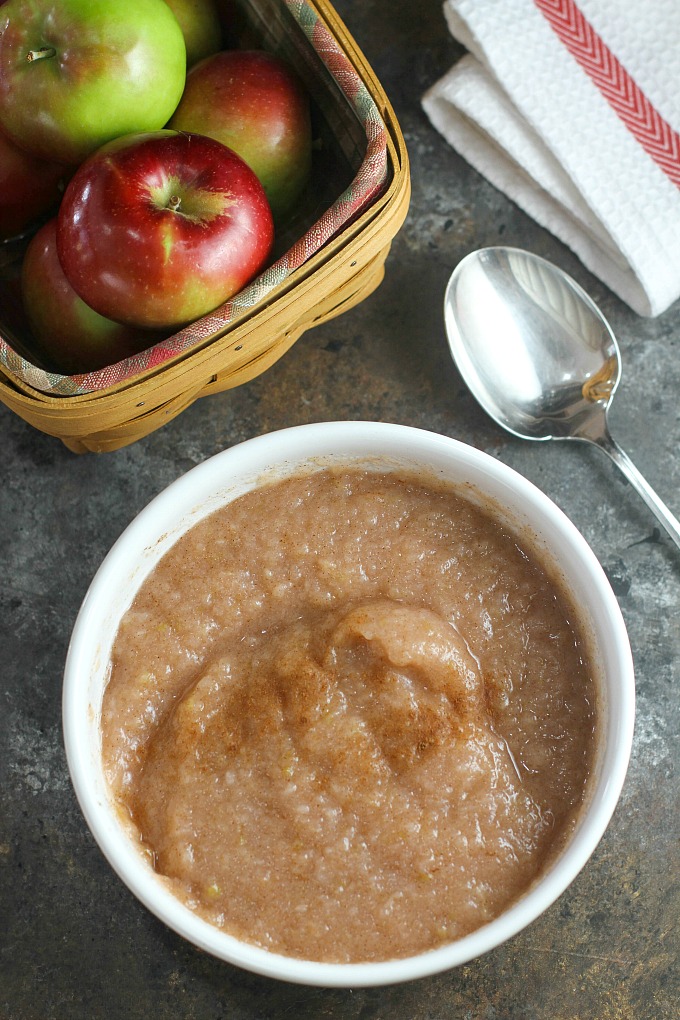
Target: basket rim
[[358, 203]]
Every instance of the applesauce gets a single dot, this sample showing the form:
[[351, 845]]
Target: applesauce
[[350, 716]]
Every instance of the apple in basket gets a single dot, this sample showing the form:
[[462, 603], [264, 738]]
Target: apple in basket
[[253, 102], [77, 73], [200, 24], [71, 337], [29, 188], [158, 229]]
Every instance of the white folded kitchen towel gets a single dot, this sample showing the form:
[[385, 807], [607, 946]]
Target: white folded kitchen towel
[[573, 110]]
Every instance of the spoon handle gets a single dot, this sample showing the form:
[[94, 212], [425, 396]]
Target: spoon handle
[[607, 443]]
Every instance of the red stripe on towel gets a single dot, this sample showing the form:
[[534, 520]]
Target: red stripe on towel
[[654, 134]]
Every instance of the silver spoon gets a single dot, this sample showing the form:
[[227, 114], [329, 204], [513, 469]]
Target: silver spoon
[[538, 355]]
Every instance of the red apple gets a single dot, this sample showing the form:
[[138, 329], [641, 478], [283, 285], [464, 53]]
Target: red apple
[[253, 102], [77, 73], [200, 24], [29, 188], [71, 336], [158, 229]]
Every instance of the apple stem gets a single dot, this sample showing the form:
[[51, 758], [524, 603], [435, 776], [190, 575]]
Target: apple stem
[[46, 51], [174, 202]]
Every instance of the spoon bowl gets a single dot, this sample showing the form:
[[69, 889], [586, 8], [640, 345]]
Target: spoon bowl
[[538, 355]]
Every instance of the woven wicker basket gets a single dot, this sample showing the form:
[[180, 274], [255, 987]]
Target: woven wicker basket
[[330, 259]]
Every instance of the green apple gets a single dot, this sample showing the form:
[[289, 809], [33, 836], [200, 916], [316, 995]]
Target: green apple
[[76, 73], [200, 24]]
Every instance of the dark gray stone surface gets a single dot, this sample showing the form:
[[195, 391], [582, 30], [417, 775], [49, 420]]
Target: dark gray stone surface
[[74, 943]]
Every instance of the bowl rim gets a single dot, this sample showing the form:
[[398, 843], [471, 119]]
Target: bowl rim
[[283, 452]]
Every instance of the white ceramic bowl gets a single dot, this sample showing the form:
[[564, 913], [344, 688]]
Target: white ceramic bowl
[[216, 482]]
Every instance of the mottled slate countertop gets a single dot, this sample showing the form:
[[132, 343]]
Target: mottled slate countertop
[[74, 943]]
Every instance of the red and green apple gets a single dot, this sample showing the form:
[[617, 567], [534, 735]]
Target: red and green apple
[[253, 102], [159, 229], [29, 188], [71, 337]]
